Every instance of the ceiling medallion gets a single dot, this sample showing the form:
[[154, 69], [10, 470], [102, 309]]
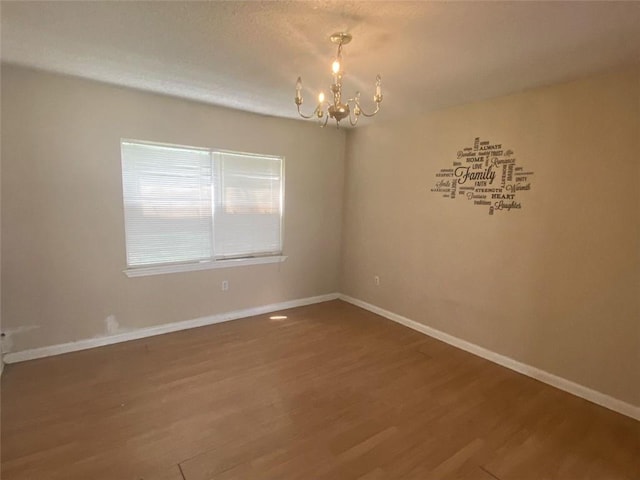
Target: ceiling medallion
[[336, 109]]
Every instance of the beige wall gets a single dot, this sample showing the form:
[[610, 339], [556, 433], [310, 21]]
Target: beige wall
[[63, 246], [556, 284]]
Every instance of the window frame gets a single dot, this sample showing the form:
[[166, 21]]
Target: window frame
[[213, 262]]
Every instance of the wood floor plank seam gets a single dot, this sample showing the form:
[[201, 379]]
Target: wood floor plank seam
[[488, 472], [181, 472]]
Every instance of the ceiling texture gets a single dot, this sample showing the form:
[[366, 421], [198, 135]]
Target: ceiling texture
[[247, 55]]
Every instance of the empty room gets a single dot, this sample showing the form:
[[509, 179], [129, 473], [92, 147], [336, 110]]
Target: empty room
[[334, 240]]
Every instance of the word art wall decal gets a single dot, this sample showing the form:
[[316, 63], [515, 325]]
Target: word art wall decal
[[485, 174]]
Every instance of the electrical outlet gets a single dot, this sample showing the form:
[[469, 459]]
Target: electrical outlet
[[376, 280], [225, 285]]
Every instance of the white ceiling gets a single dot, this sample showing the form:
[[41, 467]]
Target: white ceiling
[[247, 55]]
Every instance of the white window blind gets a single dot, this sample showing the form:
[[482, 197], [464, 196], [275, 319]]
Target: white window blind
[[247, 205], [186, 204]]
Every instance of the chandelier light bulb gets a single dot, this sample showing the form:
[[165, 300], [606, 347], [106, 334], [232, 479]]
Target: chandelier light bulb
[[321, 97], [299, 91], [336, 67]]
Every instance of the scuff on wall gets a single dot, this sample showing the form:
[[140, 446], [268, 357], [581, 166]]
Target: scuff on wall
[[112, 324], [6, 341]]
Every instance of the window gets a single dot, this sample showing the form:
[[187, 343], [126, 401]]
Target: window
[[192, 208]]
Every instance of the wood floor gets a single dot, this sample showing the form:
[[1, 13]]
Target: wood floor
[[332, 392]]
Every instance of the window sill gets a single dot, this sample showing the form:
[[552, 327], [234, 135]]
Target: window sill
[[208, 265]]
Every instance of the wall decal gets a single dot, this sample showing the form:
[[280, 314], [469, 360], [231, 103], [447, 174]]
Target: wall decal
[[485, 174]]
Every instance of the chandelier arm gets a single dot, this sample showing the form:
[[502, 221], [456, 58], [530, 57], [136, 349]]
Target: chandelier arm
[[353, 122], [326, 119], [307, 116], [369, 114], [354, 114]]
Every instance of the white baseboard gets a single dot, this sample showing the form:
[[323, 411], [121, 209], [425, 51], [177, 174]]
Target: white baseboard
[[562, 383], [32, 354]]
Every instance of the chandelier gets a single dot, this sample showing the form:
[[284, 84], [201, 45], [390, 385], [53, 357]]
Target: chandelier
[[336, 109]]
